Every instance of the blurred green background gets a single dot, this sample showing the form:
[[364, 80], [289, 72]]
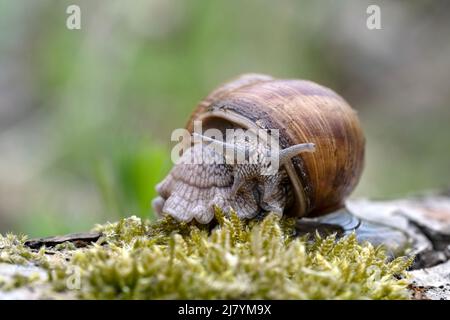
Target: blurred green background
[[86, 115]]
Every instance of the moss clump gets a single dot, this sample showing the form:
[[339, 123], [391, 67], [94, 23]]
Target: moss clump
[[14, 251], [235, 260], [18, 281]]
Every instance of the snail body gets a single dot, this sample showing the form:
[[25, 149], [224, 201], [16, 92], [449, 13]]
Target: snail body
[[321, 153]]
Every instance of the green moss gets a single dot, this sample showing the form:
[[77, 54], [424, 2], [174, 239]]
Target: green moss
[[237, 259], [13, 250], [18, 281]]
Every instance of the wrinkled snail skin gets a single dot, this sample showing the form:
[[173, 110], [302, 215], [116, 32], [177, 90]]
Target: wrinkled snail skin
[[315, 179], [192, 188]]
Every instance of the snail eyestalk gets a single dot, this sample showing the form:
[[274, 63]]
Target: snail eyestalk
[[290, 152], [237, 184], [224, 148]]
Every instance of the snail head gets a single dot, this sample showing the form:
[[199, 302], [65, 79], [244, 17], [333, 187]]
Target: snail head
[[256, 166], [245, 176]]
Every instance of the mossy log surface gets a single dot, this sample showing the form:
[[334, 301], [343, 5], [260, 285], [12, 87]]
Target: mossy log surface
[[234, 259]]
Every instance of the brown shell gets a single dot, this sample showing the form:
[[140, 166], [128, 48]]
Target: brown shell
[[302, 111]]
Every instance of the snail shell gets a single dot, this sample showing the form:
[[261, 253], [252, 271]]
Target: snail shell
[[309, 184]]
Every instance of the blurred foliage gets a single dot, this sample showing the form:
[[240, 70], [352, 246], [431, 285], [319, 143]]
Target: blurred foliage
[[86, 115]]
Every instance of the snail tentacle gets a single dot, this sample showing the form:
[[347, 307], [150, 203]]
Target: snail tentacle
[[288, 153]]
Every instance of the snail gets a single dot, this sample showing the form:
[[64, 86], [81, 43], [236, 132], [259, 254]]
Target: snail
[[320, 153]]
